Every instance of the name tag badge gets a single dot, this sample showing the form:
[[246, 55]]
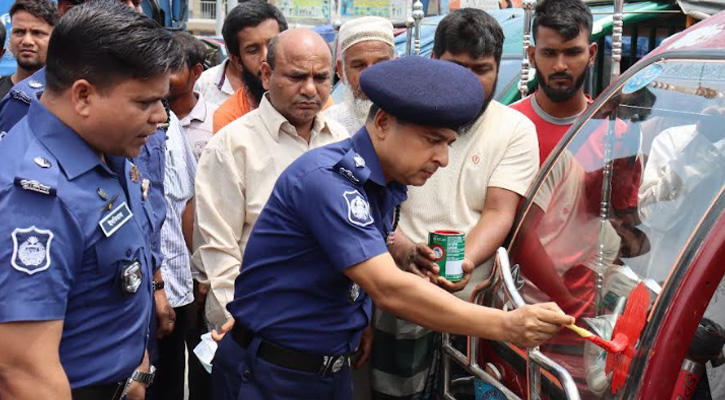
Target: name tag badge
[[132, 277], [115, 219]]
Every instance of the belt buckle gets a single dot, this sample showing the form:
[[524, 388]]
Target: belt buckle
[[332, 364]]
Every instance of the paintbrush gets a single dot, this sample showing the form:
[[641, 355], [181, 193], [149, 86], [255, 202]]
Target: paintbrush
[[615, 346], [629, 325]]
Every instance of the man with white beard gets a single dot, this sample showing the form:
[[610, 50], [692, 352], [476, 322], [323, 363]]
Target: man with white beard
[[363, 42]]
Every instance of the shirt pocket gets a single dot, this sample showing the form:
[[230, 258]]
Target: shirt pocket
[[116, 253], [152, 158]]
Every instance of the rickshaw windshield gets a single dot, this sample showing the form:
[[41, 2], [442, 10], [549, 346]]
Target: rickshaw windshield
[[621, 202]]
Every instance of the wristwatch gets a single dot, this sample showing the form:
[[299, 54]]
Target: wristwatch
[[158, 285], [144, 378]]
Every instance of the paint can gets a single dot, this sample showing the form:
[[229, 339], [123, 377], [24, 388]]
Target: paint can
[[486, 391], [449, 248]]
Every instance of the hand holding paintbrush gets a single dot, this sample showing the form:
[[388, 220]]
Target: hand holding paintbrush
[[626, 334], [615, 346]]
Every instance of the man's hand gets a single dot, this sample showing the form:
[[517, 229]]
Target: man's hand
[[136, 391], [457, 286], [364, 348], [165, 314], [218, 335], [420, 261], [200, 294], [532, 325]]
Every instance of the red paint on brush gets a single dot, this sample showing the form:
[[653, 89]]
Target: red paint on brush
[[616, 346], [626, 334]]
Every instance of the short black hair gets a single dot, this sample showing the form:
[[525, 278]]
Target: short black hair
[[104, 41], [191, 49], [249, 14], [2, 35], [567, 17], [41, 9], [471, 31]]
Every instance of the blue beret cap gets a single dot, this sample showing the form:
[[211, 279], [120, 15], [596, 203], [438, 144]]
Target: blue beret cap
[[424, 91]]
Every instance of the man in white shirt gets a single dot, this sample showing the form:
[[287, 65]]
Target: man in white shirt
[[491, 166], [190, 106], [241, 163], [363, 42]]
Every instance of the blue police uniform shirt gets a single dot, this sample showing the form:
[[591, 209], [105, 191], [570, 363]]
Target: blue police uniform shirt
[[14, 105], [151, 162], [56, 197], [330, 209]]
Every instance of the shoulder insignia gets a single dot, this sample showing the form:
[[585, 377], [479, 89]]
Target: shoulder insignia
[[35, 84], [31, 249], [20, 95], [358, 209], [35, 186], [349, 175]]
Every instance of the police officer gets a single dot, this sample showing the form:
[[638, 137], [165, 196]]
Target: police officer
[[76, 288], [15, 105], [317, 257], [150, 162]]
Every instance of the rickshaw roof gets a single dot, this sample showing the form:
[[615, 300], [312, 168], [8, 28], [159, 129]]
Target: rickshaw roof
[[708, 34], [512, 23]]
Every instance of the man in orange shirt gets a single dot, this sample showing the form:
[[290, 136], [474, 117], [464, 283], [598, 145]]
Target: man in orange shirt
[[247, 30]]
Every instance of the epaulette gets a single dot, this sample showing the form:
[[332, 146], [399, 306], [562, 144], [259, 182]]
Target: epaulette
[[352, 167], [39, 172], [21, 96]]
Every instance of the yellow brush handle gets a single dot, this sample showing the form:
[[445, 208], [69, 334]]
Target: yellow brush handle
[[580, 331]]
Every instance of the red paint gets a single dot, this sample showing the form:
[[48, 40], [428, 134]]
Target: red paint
[[626, 333], [616, 346], [444, 232]]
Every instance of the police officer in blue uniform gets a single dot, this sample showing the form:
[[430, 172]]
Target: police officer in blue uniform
[[76, 287], [151, 161], [317, 257]]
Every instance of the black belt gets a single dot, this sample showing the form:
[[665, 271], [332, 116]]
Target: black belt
[[289, 358], [109, 391]]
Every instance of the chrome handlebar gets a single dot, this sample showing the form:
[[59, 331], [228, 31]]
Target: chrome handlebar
[[536, 359]]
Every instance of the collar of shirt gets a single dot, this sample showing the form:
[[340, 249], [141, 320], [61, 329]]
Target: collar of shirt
[[363, 145], [74, 155], [276, 122], [197, 113], [221, 79], [556, 120]]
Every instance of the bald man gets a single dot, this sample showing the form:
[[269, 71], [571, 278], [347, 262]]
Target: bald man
[[239, 166]]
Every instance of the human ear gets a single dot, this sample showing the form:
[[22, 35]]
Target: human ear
[[83, 95], [266, 75]]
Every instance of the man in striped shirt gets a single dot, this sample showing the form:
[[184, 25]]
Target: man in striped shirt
[[176, 266]]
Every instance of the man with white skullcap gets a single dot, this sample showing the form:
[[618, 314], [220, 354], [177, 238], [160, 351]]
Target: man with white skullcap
[[363, 42]]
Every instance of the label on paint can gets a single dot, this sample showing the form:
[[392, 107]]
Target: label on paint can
[[449, 248], [486, 391]]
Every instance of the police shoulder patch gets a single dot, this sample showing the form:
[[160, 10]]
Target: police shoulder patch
[[358, 209], [31, 249]]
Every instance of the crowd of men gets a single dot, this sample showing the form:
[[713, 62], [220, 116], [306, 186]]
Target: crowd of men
[[150, 201]]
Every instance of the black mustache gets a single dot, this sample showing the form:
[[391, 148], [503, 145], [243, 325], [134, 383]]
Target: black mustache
[[561, 75]]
